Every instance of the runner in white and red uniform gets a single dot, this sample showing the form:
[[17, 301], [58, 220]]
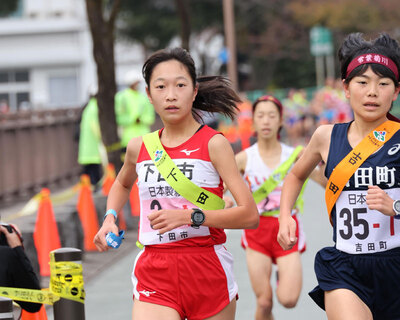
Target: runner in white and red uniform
[[263, 239], [270, 159], [192, 158], [183, 271]]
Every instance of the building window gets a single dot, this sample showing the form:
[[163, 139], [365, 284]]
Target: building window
[[4, 105], [21, 76], [11, 8], [63, 91], [3, 77], [14, 90]]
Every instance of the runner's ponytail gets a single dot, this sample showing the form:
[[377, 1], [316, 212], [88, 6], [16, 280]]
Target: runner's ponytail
[[215, 94]]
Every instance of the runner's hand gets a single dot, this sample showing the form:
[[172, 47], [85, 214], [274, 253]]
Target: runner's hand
[[100, 238], [166, 220], [378, 199], [287, 232]]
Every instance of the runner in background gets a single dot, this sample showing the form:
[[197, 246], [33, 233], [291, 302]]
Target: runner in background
[[184, 269], [359, 277], [264, 166]]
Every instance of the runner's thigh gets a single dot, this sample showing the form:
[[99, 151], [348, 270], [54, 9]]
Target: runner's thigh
[[146, 311], [343, 304]]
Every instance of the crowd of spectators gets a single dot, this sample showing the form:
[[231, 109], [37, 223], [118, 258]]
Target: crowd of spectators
[[302, 116], [304, 111]]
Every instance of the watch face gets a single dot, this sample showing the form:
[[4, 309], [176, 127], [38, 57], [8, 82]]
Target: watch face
[[198, 217], [396, 206]]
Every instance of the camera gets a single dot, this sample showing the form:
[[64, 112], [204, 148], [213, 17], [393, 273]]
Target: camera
[[3, 239]]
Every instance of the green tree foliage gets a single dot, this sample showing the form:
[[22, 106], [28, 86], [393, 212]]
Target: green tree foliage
[[268, 38], [276, 44], [7, 7], [345, 16], [154, 23]]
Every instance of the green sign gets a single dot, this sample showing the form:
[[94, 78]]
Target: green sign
[[321, 41]]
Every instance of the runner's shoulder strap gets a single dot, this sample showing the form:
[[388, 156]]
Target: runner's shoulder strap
[[200, 197], [354, 159]]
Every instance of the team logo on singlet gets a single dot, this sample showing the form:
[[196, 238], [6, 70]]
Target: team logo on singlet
[[380, 135], [276, 176], [188, 152], [393, 150], [158, 155]]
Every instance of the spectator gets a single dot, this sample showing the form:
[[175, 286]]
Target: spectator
[[89, 155], [15, 268], [133, 111]]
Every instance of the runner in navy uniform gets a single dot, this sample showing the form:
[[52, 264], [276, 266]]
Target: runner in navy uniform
[[358, 278]]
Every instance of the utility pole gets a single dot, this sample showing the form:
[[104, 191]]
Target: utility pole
[[229, 28]]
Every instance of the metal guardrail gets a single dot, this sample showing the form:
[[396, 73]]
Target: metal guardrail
[[37, 149]]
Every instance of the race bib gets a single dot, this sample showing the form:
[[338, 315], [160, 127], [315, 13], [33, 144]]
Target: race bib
[[360, 230], [150, 236]]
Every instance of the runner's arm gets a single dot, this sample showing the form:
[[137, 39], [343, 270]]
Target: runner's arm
[[119, 193], [241, 161], [318, 175], [245, 214], [315, 151]]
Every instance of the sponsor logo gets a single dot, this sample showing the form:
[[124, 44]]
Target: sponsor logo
[[188, 152], [147, 293], [158, 155], [380, 135], [393, 150]]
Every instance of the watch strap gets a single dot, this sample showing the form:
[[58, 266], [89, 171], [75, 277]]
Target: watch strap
[[111, 211]]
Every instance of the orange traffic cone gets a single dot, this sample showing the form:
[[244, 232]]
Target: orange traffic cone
[[134, 200], [45, 235], [87, 214], [40, 315], [109, 179]]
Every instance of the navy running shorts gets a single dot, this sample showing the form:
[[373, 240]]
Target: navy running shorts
[[374, 278]]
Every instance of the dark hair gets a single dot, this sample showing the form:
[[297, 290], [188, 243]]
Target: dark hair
[[355, 45], [215, 93]]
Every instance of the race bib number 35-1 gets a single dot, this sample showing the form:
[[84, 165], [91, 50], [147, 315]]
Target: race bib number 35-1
[[360, 230]]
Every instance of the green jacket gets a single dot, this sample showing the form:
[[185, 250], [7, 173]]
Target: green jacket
[[134, 114], [90, 136]]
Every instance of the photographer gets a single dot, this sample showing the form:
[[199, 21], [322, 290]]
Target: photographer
[[15, 268]]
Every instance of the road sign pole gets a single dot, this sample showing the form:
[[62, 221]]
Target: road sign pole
[[330, 66], [320, 72]]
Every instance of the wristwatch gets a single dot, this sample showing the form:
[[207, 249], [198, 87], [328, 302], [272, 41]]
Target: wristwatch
[[197, 218], [396, 208]]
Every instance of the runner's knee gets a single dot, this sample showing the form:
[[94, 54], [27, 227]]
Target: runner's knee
[[288, 301], [265, 303]]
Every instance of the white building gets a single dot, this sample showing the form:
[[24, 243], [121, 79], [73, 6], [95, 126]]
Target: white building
[[46, 58]]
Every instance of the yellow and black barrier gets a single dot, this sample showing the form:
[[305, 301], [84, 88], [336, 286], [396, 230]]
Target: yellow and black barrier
[[65, 292], [66, 281]]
